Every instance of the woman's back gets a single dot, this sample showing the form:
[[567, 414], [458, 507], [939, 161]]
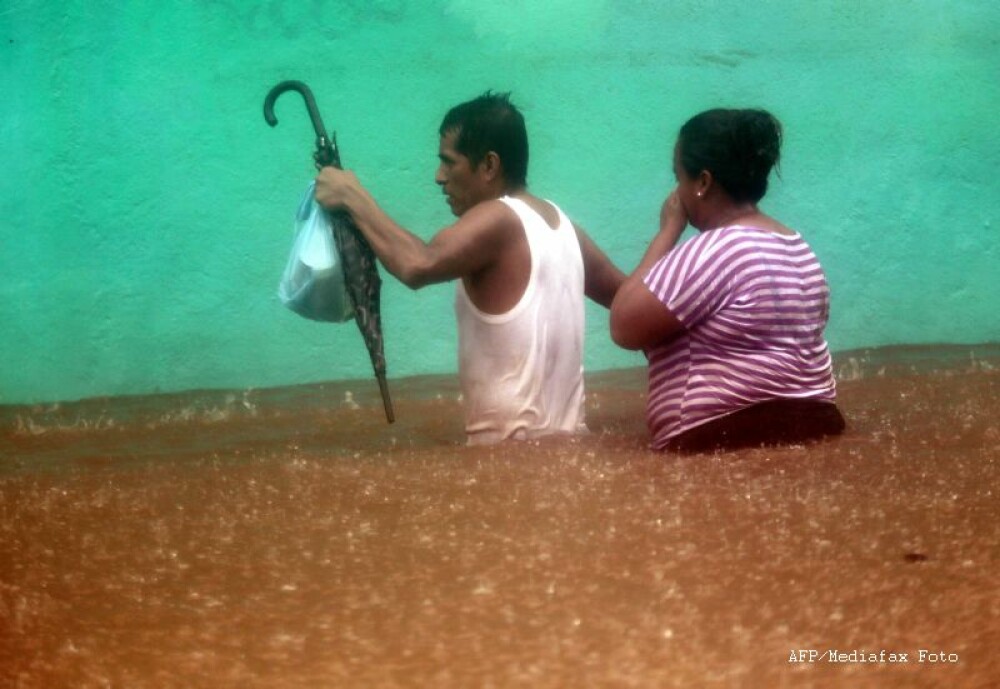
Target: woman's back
[[754, 304]]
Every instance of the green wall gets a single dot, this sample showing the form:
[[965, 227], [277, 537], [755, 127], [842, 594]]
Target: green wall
[[146, 208]]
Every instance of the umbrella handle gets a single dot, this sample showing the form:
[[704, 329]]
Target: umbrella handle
[[326, 148]]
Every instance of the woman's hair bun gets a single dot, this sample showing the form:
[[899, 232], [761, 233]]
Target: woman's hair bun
[[763, 135]]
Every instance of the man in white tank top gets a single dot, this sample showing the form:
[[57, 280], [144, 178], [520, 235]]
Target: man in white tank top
[[523, 270]]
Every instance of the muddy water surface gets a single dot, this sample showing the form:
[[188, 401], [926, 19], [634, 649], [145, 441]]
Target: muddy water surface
[[290, 538]]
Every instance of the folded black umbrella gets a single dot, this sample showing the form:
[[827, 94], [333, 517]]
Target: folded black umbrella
[[360, 270]]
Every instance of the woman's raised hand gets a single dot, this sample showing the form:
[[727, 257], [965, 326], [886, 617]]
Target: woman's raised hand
[[673, 217]]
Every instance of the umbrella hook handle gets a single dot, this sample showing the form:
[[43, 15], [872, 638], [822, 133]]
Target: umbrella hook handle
[[326, 148]]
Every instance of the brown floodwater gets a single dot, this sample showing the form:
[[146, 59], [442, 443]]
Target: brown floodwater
[[291, 538]]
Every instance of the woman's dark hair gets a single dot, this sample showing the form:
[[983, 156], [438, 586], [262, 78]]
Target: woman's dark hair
[[491, 123], [739, 148]]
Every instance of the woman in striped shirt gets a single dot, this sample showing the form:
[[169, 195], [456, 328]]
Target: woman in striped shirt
[[731, 321]]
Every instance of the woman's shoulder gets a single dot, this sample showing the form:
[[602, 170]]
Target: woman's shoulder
[[737, 244], [761, 223]]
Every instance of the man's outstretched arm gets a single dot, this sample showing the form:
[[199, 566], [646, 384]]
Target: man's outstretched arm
[[602, 278], [469, 245]]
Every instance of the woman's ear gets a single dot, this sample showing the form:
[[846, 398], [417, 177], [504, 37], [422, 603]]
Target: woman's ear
[[704, 183]]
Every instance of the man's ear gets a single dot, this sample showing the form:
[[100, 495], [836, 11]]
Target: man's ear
[[491, 165]]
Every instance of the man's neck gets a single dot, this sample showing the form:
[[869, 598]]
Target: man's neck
[[516, 190]]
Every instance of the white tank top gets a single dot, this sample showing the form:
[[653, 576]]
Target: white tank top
[[521, 372]]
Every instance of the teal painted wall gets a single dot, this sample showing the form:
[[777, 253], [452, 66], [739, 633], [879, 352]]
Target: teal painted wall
[[145, 206]]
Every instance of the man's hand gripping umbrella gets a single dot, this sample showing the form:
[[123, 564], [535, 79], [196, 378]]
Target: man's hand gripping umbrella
[[360, 271]]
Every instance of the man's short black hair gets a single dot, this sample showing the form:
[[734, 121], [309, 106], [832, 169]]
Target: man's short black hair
[[491, 123]]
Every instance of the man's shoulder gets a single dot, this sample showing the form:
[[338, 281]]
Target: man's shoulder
[[491, 214], [546, 209]]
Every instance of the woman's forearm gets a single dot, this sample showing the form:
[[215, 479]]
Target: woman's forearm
[[662, 243]]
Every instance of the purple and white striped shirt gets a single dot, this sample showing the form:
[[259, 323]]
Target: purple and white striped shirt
[[754, 304]]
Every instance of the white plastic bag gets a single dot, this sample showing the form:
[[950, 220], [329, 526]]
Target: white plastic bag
[[313, 281]]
